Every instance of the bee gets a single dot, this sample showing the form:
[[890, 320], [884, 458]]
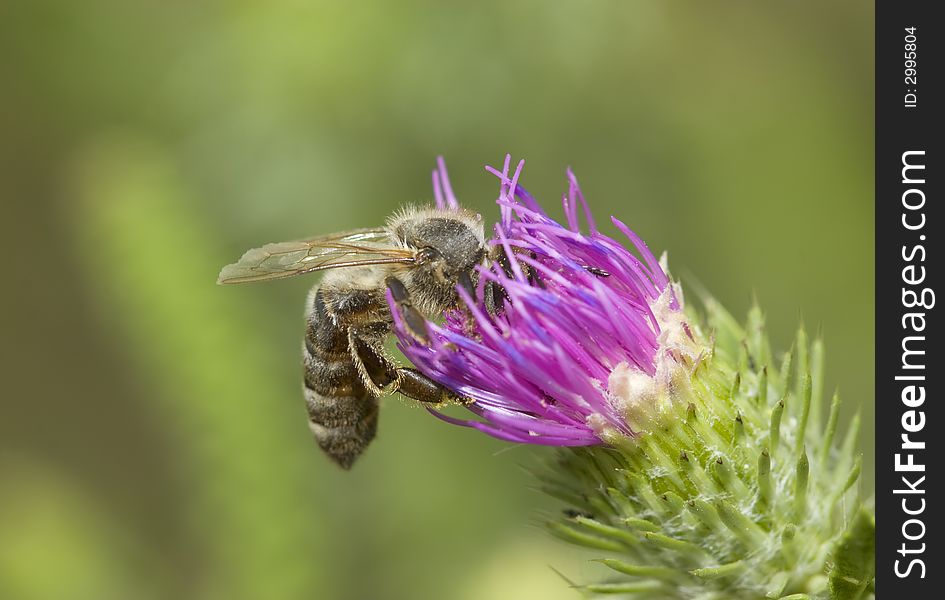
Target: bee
[[420, 256]]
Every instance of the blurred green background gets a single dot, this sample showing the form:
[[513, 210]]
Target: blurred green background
[[153, 442]]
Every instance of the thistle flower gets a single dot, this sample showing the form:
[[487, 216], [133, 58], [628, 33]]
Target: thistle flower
[[706, 474], [586, 332]]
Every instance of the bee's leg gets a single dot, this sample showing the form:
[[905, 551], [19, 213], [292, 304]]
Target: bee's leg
[[417, 386], [377, 371], [384, 376], [531, 273], [495, 297], [466, 282], [411, 382], [414, 320]]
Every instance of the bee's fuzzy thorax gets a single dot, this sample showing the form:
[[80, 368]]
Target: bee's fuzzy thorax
[[409, 214]]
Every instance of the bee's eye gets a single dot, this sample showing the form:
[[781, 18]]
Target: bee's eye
[[427, 254]]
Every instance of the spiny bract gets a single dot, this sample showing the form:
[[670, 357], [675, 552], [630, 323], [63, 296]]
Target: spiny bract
[[734, 487]]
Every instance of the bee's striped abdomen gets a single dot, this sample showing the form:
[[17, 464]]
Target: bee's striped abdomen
[[342, 411]]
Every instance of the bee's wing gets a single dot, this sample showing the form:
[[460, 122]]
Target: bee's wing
[[285, 259]]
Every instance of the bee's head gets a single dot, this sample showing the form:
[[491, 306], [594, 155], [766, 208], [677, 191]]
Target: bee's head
[[448, 244]]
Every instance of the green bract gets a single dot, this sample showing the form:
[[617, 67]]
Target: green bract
[[735, 486]]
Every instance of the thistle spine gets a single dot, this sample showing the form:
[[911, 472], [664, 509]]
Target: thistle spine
[[724, 495]]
